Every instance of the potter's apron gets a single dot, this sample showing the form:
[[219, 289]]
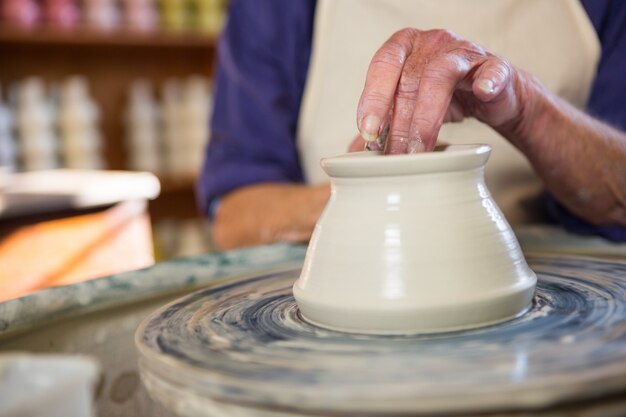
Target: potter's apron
[[553, 40]]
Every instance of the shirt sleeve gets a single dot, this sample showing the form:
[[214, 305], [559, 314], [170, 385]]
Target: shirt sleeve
[[606, 101], [261, 68], [572, 223]]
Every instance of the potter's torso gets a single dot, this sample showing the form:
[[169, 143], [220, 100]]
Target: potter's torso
[[563, 56]]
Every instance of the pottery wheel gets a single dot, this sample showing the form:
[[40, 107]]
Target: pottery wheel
[[242, 341]]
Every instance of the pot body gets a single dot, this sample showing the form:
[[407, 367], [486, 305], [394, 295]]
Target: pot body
[[412, 244]]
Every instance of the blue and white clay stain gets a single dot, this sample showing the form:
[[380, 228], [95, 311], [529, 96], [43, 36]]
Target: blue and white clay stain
[[244, 342]]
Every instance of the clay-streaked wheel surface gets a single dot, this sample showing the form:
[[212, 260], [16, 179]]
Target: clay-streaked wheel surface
[[242, 342]]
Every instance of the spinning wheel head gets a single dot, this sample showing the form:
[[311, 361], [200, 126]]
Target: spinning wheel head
[[242, 344]]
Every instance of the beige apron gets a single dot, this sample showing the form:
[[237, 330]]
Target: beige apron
[[552, 39]]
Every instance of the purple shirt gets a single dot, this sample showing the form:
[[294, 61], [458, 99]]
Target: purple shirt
[[263, 59]]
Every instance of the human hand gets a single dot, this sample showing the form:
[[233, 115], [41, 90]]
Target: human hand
[[271, 212], [419, 80], [267, 213]]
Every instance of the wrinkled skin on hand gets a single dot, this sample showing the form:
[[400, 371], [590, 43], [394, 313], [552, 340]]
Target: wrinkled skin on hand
[[419, 80]]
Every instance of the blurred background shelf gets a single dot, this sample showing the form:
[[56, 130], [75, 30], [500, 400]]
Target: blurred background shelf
[[112, 61], [175, 184], [10, 35], [118, 85], [177, 200]]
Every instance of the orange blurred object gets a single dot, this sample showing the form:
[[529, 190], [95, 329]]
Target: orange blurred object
[[73, 249]]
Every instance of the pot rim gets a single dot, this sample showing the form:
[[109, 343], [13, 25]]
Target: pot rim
[[445, 158]]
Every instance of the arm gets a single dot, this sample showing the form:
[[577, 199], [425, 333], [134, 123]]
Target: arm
[[432, 77], [266, 213], [581, 160]]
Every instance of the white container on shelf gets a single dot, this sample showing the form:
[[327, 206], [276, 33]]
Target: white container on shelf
[[80, 160], [186, 113], [140, 15], [101, 14], [34, 123], [8, 147], [197, 110], [142, 129], [144, 162], [173, 126], [78, 117]]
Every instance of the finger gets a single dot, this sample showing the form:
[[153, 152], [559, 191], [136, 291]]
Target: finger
[[382, 78], [404, 104], [493, 83], [357, 145], [491, 79], [400, 139], [373, 146], [439, 81]]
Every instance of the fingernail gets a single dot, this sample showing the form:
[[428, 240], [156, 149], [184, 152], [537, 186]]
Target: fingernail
[[370, 126], [373, 145], [486, 86]]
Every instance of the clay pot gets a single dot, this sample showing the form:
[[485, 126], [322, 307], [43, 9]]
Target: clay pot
[[412, 244]]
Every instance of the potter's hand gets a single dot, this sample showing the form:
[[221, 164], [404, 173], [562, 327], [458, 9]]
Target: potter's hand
[[271, 212], [426, 78], [418, 80], [267, 213]]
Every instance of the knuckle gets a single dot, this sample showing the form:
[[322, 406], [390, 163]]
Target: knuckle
[[408, 84], [505, 64], [501, 71], [500, 60], [443, 36], [398, 45], [392, 55], [437, 77], [375, 98], [468, 50], [498, 68], [449, 42], [410, 76], [407, 34], [444, 68]]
